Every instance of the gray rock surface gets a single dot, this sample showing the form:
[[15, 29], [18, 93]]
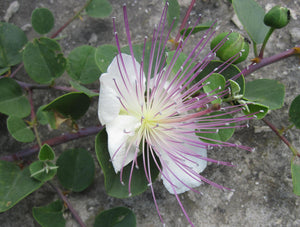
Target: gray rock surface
[[262, 181]]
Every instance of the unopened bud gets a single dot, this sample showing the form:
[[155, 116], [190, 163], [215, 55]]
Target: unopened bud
[[277, 17]]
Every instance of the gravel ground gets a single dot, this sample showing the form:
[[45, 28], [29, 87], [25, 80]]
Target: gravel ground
[[262, 181]]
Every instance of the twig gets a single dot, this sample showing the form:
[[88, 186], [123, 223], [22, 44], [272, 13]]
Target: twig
[[53, 142], [293, 149], [33, 118], [67, 202]]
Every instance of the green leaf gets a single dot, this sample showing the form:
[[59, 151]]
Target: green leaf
[[83, 89], [82, 66], [196, 29], [228, 73], [251, 16], [46, 153], [113, 186], [19, 130], [15, 184], [260, 110], [42, 20], [43, 60], [173, 13], [104, 56], [295, 168], [235, 88], [4, 70], [99, 9], [12, 40], [294, 111], [12, 100], [50, 215], [46, 117], [76, 169], [116, 217], [265, 91], [213, 85], [42, 170], [220, 134], [73, 105]]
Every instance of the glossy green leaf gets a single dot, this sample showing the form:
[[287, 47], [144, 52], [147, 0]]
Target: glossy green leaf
[[265, 91], [113, 185], [15, 184], [76, 169], [82, 66], [295, 168], [228, 73], [235, 88], [72, 105], [213, 85], [294, 111], [104, 56], [173, 13], [251, 16], [213, 135], [43, 60], [46, 117], [19, 130], [12, 100], [50, 215], [46, 153], [83, 89], [12, 40], [198, 28], [257, 109], [42, 170], [99, 9], [116, 217], [42, 20]]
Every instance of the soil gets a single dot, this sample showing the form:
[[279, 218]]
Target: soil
[[263, 193]]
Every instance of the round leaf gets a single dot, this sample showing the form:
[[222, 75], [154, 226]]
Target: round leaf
[[46, 117], [15, 184], [73, 105], [42, 20], [294, 111], [43, 60], [259, 110], [42, 171], [220, 134], [99, 9], [19, 130], [116, 217], [104, 56], [173, 14], [265, 91], [76, 169], [83, 89], [12, 40], [214, 84], [295, 167], [46, 153], [12, 100], [82, 66], [50, 215], [113, 185]]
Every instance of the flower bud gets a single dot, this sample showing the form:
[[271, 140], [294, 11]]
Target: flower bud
[[235, 44], [277, 17]]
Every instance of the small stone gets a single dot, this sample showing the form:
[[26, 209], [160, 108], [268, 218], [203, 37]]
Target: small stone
[[12, 9], [237, 22], [26, 27], [93, 40], [295, 34], [259, 129]]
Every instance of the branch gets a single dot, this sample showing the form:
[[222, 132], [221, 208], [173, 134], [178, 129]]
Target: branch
[[53, 142]]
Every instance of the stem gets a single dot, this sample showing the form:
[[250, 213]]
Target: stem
[[53, 142], [267, 61], [293, 149], [33, 119], [255, 49], [71, 20], [268, 35], [69, 205], [39, 86]]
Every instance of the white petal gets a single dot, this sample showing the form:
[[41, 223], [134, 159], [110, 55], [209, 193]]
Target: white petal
[[198, 165], [109, 105], [121, 132]]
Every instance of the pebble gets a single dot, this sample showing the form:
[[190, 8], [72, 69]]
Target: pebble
[[12, 9], [295, 34], [93, 40], [26, 27], [237, 22]]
